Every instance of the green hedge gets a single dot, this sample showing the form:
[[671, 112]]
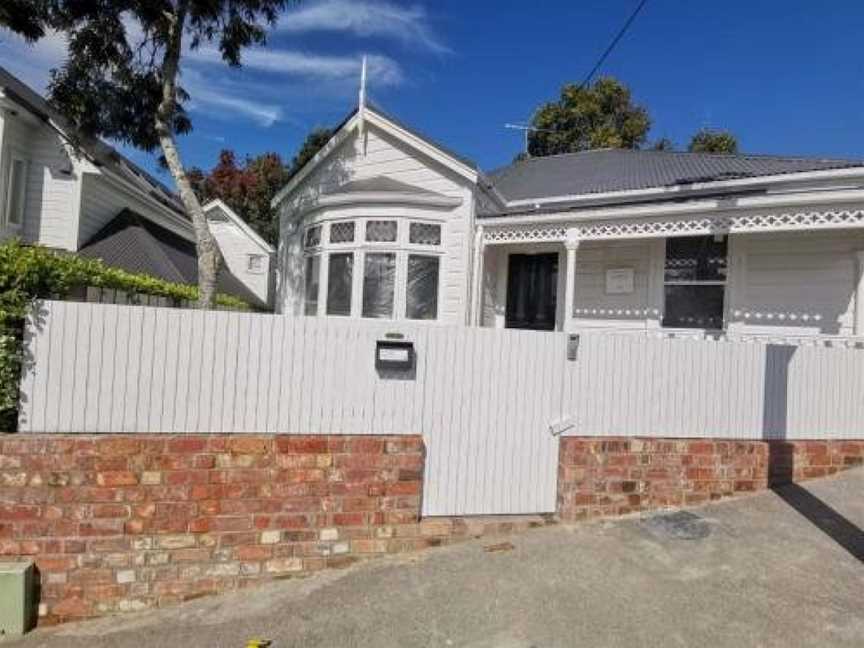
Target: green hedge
[[28, 273]]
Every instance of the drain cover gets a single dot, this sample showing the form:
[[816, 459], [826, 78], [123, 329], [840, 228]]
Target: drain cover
[[681, 525]]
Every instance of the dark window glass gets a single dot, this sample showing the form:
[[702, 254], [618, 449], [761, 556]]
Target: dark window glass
[[422, 287], [694, 306], [313, 268], [381, 231], [342, 232], [339, 273], [313, 237], [424, 234], [695, 258], [379, 278]]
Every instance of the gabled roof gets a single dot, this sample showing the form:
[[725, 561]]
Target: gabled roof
[[240, 223], [99, 153], [400, 130], [611, 170], [137, 244]]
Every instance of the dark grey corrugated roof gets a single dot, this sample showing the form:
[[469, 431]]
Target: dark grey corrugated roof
[[136, 244], [100, 153], [609, 170]]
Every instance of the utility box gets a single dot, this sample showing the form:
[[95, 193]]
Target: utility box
[[17, 598]]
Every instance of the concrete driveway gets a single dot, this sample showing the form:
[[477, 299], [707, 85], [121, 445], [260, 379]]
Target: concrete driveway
[[774, 569]]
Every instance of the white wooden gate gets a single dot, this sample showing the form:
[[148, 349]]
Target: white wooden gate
[[492, 396]]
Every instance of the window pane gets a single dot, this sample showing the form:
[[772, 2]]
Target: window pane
[[381, 231], [695, 258], [339, 275], [694, 306], [313, 237], [313, 268], [17, 187], [342, 232], [379, 277], [422, 287], [424, 234]]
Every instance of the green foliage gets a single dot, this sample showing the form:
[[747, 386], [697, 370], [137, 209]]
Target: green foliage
[[311, 145], [600, 115], [663, 144], [249, 187], [111, 82], [246, 188], [29, 273], [713, 141]]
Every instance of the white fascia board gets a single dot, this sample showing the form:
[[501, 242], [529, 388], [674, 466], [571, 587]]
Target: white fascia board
[[239, 222], [333, 143], [422, 145], [695, 188], [732, 203]]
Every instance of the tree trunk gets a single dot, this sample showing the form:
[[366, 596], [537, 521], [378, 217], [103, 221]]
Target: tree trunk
[[209, 255]]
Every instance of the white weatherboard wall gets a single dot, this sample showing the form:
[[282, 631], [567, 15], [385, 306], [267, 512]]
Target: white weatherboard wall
[[52, 182]]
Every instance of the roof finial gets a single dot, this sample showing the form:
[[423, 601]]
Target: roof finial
[[361, 108], [362, 103]]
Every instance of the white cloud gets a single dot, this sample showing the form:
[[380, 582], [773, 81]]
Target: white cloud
[[408, 24], [227, 102], [381, 69]]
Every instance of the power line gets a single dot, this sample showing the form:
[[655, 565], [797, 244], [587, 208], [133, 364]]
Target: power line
[[614, 43]]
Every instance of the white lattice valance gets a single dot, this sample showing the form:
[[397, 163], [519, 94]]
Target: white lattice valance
[[676, 226]]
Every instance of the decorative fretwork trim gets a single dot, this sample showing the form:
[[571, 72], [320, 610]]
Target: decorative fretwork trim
[[677, 226]]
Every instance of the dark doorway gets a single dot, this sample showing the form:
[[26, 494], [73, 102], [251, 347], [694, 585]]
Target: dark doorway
[[532, 291]]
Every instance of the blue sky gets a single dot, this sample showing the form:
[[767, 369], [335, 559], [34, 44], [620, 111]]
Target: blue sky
[[786, 76]]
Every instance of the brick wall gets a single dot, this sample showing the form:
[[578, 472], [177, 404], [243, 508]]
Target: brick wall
[[124, 522], [613, 476]]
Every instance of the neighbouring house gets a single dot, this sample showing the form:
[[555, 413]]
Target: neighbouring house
[[83, 196], [385, 223]]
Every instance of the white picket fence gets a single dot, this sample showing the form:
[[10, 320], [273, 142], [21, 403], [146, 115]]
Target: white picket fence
[[483, 399]]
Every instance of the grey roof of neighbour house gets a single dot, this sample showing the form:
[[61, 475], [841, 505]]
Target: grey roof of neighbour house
[[100, 153], [611, 170], [134, 243]]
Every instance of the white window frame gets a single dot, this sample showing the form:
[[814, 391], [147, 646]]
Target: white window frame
[[360, 247], [709, 282], [15, 155], [261, 258]]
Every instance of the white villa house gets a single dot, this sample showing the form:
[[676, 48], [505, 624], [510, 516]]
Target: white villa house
[[384, 223], [88, 199]]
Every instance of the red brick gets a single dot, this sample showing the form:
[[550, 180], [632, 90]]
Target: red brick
[[194, 444], [117, 478], [301, 444], [248, 445]]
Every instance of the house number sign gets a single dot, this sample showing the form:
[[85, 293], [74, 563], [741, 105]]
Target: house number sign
[[619, 281]]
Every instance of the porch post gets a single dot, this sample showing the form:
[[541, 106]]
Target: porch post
[[477, 271], [858, 328], [572, 245]]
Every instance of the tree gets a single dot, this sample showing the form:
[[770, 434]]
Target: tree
[[600, 115], [123, 87], [713, 141], [247, 188], [311, 145], [663, 144]]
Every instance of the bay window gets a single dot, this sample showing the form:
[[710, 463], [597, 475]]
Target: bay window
[[339, 283], [398, 265], [694, 280], [421, 287], [379, 283], [310, 301]]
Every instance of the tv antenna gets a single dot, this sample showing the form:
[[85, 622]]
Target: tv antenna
[[526, 129]]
